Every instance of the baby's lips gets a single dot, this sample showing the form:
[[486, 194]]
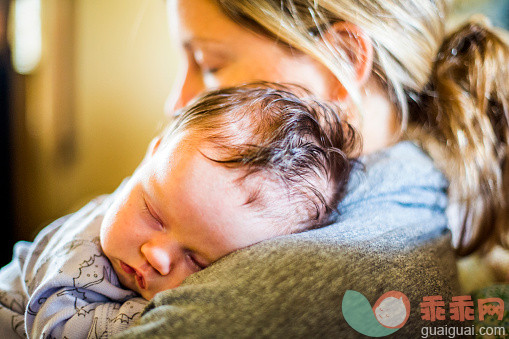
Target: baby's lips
[[137, 275], [128, 269], [141, 281]]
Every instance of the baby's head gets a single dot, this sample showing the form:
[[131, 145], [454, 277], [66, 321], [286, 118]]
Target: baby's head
[[238, 166]]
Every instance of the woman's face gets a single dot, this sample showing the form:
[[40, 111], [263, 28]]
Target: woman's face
[[222, 53]]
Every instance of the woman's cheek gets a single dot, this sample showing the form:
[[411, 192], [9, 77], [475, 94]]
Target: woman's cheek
[[243, 72]]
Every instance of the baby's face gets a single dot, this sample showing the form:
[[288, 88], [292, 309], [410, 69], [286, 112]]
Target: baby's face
[[178, 213]]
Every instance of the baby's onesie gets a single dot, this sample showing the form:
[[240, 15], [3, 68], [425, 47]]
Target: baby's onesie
[[62, 285]]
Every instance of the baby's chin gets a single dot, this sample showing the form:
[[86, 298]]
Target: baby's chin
[[149, 294]]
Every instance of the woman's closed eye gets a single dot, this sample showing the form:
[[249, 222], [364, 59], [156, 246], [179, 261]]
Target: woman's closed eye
[[210, 70], [208, 62], [209, 67]]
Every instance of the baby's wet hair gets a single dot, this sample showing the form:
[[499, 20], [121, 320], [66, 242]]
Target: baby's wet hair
[[278, 133]]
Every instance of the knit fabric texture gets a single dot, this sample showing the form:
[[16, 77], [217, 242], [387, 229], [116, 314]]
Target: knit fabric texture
[[391, 235]]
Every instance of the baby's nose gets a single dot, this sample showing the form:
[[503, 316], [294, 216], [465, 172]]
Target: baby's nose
[[158, 258]]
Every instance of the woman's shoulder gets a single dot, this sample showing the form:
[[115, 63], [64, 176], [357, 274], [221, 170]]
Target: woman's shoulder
[[403, 160], [396, 187]]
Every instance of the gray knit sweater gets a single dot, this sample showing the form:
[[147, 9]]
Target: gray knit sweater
[[392, 235]]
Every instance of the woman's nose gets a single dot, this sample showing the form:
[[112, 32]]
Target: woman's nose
[[190, 87], [161, 255]]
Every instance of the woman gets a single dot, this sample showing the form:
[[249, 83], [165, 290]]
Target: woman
[[384, 67], [391, 67]]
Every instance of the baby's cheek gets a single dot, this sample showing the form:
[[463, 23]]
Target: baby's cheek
[[172, 280], [108, 234]]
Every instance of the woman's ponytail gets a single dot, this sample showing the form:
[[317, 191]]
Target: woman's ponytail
[[464, 114]]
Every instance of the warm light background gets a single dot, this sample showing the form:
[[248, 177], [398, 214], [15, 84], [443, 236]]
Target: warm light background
[[91, 106], [83, 118]]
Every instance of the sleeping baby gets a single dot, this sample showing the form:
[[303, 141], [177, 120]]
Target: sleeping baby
[[238, 166]]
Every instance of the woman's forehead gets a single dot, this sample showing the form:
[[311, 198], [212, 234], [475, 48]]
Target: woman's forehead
[[201, 20]]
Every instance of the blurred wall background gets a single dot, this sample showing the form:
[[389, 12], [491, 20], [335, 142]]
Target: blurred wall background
[[81, 118], [496, 10], [6, 149]]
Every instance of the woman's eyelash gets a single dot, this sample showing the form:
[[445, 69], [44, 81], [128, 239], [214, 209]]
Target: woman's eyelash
[[212, 70]]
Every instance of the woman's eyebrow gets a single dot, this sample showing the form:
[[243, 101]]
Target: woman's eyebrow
[[199, 41], [215, 47]]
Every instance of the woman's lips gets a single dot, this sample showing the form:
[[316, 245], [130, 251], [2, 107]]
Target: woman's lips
[[130, 270]]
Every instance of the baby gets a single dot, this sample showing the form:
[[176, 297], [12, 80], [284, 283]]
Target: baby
[[236, 167]]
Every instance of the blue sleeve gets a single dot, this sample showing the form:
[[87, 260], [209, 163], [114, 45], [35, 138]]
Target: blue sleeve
[[79, 297], [13, 296], [62, 284], [72, 287]]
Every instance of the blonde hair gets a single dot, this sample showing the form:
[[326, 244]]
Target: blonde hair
[[451, 92]]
